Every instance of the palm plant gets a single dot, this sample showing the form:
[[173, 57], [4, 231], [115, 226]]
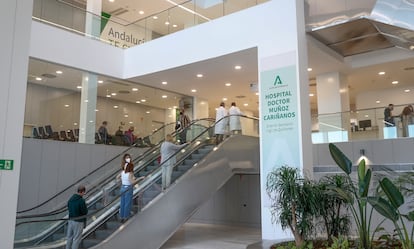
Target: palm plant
[[293, 201]]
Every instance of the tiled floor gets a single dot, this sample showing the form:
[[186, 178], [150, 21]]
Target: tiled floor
[[207, 236]]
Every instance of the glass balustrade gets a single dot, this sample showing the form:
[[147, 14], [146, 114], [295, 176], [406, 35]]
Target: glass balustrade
[[124, 31]]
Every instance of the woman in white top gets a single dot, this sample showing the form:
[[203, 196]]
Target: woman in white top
[[221, 123], [168, 149], [128, 181]]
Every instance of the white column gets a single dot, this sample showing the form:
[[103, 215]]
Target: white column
[[87, 122], [15, 24], [333, 102], [93, 18]]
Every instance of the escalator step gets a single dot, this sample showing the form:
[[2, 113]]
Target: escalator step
[[86, 243], [103, 234]]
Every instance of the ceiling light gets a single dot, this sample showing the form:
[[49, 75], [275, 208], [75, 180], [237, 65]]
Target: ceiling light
[[377, 101], [227, 84], [175, 107], [75, 123], [79, 87], [141, 12], [164, 82], [143, 100], [137, 101], [202, 103], [38, 78], [412, 47], [366, 115], [381, 73], [407, 90], [174, 25], [164, 96], [309, 69], [147, 112], [245, 104], [59, 72], [395, 82], [257, 93], [111, 1], [130, 122], [126, 115], [155, 17], [167, 23], [86, 101], [169, 108], [237, 67], [199, 75], [108, 95], [100, 81], [311, 94], [224, 99], [116, 107], [113, 94], [66, 105], [193, 90], [134, 89], [96, 110]]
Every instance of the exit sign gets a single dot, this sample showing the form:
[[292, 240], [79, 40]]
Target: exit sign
[[6, 164]]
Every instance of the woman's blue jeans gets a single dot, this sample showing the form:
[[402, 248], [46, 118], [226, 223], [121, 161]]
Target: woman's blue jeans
[[126, 201]]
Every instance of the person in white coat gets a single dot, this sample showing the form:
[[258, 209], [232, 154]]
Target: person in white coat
[[234, 122], [221, 123], [167, 150]]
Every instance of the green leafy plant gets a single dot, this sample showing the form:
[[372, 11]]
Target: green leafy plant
[[357, 194], [333, 209], [293, 201], [339, 243], [389, 208]]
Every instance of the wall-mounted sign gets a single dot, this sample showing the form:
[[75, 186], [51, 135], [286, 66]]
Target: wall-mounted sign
[[6, 164]]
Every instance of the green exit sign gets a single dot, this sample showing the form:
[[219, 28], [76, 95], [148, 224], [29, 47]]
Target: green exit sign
[[6, 164]]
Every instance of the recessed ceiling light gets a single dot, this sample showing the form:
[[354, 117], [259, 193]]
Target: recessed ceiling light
[[137, 101], [167, 23], [79, 87], [134, 89], [381, 73], [86, 101], [108, 95], [407, 90], [257, 93], [164, 82], [311, 94], [175, 25], [377, 101], [164, 96], [309, 69], [155, 17], [202, 103], [143, 100], [395, 82], [126, 115], [59, 72], [38, 78], [116, 107], [113, 94], [100, 81], [366, 115], [141, 12], [111, 1], [169, 108], [130, 122], [245, 104], [75, 123], [96, 110], [238, 67], [412, 47], [147, 112], [175, 107], [227, 84], [193, 90], [199, 75], [66, 105], [224, 99]]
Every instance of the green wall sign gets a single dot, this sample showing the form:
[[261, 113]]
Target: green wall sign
[[6, 164]]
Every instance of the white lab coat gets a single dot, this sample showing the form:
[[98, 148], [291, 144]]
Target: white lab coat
[[234, 121], [221, 127]]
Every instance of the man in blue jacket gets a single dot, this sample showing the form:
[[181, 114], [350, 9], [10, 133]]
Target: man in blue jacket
[[76, 208]]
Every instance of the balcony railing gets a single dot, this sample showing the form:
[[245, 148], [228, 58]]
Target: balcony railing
[[119, 32]]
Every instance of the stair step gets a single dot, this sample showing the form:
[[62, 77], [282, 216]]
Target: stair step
[[86, 243]]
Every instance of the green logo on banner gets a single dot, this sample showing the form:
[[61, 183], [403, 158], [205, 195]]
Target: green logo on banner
[[278, 81], [6, 164]]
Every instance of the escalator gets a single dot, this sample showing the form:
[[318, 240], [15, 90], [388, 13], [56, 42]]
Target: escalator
[[201, 169]]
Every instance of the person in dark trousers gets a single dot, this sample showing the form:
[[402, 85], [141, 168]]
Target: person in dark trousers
[[103, 132], [184, 122], [77, 208], [388, 117]]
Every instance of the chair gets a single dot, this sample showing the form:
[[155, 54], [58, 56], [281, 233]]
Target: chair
[[71, 136], [63, 136], [55, 135], [42, 132], [35, 133], [49, 131]]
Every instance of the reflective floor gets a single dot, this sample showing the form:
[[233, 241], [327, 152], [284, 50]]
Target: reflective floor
[[208, 236]]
